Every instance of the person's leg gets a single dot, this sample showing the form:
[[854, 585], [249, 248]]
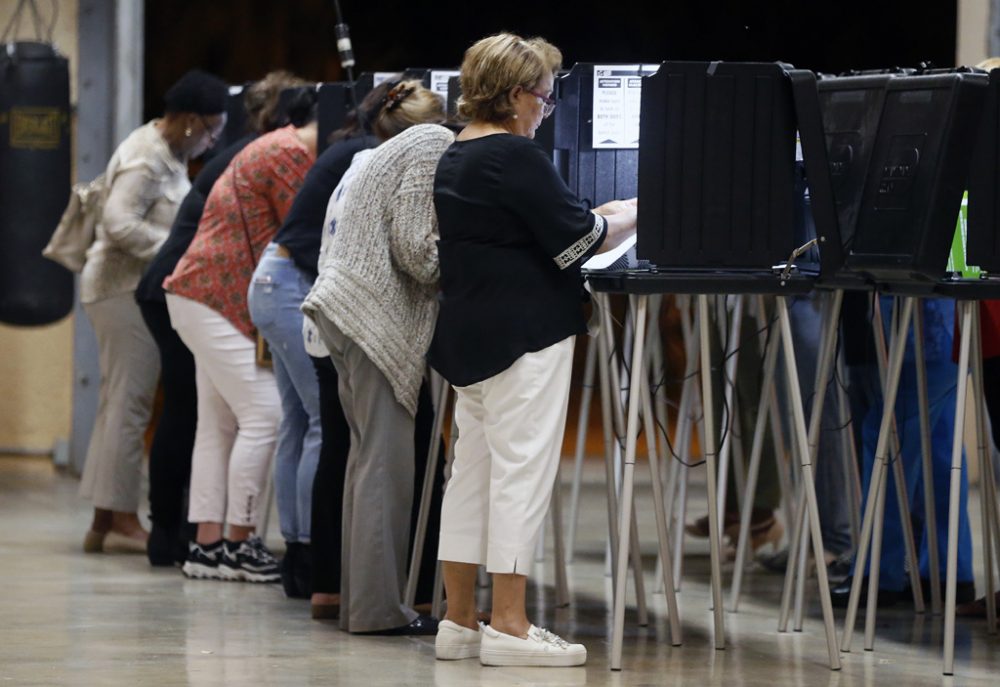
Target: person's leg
[[942, 394], [173, 442], [252, 394], [131, 367], [380, 479], [288, 450], [892, 570], [835, 523], [101, 522], [464, 508], [216, 425], [328, 488], [274, 298], [524, 423]]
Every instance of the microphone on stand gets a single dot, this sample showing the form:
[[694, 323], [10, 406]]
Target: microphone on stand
[[346, 51]]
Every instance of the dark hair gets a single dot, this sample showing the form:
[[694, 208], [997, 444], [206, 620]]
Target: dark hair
[[299, 105], [369, 107], [198, 92]]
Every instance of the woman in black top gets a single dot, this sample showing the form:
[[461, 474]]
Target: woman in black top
[[513, 237]]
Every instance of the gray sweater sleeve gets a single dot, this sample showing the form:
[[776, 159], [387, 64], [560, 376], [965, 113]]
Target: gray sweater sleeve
[[413, 230]]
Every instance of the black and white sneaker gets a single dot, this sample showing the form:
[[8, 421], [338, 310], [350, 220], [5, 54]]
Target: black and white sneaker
[[248, 560], [203, 561]]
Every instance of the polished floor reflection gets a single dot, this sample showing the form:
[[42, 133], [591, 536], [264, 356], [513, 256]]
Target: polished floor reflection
[[67, 618]]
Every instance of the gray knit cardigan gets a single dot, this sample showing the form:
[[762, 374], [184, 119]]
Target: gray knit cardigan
[[378, 282]]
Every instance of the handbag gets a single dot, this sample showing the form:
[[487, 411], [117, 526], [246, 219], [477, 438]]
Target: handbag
[[263, 351], [77, 228]]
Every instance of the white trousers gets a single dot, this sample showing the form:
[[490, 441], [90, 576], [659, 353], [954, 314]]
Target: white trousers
[[510, 431], [130, 367], [238, 414]]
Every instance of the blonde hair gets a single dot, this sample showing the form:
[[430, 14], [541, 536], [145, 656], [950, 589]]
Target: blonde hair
[[262, 98], [989, 63], [406, 104], [494, 65]]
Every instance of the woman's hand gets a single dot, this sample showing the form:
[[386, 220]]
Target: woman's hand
[[621, 219], [614, 207]]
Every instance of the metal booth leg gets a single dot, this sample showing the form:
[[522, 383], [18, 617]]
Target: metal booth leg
[[771, 349], [808, 486], [589, 369], [710, 457], [955, 491], [625, 522], [899, 479], [927, 462], [439, 399]]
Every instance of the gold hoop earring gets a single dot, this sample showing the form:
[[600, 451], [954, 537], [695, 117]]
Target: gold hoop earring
[[187, 132]]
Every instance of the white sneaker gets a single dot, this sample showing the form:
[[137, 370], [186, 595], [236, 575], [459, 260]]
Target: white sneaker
[[454, 642], [541, 648]]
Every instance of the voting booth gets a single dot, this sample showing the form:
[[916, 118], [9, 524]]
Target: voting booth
[[918, 171], [333, 104], [983, 239], [722, 172], [596, 130], [236, 117]]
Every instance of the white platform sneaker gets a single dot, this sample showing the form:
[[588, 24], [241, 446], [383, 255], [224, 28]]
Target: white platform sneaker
[[454, 642], [540, 648]]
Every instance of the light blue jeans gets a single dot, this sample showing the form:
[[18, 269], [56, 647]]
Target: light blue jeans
[[276, 292]]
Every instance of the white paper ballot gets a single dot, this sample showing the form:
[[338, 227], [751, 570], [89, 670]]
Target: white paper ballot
[[617, 97], [603, 261], [379, 78], [439, 82]]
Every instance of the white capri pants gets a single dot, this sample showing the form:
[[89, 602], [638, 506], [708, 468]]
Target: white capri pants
[[238, 414], [510, 431], [130, 368]]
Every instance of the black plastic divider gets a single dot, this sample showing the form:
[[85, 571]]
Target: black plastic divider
[[983, 240], [596, 176], [334, 102], [917, 174], [717, 166]]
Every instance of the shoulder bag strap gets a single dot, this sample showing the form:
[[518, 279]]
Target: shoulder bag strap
[[246, 229]]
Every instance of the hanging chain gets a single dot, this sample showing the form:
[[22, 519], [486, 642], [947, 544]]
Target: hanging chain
[[14, 25]]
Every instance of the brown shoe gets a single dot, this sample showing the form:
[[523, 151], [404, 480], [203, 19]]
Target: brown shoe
[[975, 609], [325, 611]]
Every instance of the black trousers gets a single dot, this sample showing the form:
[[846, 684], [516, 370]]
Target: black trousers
[[328, 486], [170, 453]]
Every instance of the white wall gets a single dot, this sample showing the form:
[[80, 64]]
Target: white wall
[[972, 46]]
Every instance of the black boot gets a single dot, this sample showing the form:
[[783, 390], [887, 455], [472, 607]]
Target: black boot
[[160, 546], [840, 595], [288, 563], [302, 571]]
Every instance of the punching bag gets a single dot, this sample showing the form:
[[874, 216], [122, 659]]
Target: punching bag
[[34, 181]]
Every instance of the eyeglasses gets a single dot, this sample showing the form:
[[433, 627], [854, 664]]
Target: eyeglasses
[[213, 132], [548, 102]]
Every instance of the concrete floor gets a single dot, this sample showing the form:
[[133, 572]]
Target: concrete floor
[[67, 618]]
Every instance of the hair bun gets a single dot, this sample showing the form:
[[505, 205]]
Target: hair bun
[[397, 94]]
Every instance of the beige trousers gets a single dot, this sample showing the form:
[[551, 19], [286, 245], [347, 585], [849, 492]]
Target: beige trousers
[[130, 368]]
